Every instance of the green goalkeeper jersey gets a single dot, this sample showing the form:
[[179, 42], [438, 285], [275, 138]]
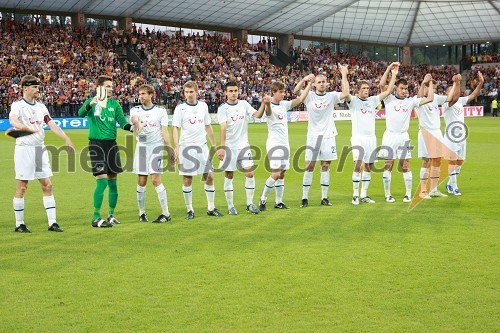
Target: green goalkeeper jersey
[[103, 127]]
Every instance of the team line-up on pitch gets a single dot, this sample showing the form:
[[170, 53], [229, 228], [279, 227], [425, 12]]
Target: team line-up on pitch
[[192, 130]]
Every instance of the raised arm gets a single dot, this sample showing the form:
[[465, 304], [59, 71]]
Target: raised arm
[[451, 92], [427, 78], [301, 83], [303, 94], [260, 112], [383, 79], [478, 88], [346, 91], [430, 95], [388, 91]]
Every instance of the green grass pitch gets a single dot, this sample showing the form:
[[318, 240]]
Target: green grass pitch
[[371, 268]]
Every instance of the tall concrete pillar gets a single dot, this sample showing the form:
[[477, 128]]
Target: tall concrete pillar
[[406, 55], [241, 35], [125, 24], [284, 43], [78, 20]]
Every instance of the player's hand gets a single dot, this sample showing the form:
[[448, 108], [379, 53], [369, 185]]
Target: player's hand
[[266, 99], [176, 154], [172, 156], [70, 146], [221, 153], [309, 78], [343, 69], [394, 71], [394, 65], [480, 77], [427, 78]]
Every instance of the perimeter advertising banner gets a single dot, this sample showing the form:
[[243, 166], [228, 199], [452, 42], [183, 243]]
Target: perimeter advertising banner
[[293, 116]]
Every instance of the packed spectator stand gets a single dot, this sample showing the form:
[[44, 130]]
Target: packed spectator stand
[[68, 60]]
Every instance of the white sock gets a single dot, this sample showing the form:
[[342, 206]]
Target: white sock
[[457, 172], [250, 189], [325, 183], [141, 199], [188, 197], [50, 208], [423, 179], [267, 188], [366, 178], [306, 184], [210, 192], [356, 179], [228, 192], [408, 178], [280, 188], [386, 176], [162, 198], [18, 204]]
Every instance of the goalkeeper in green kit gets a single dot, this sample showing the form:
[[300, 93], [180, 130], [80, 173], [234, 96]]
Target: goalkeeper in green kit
[[103, 113]]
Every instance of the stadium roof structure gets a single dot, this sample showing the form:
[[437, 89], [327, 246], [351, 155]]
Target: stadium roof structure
[[404, 22]]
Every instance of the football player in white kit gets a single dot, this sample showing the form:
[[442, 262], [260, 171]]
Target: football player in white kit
[[191, 148], [363, 140], [396, 141], [31, 159], [235, 153], [431, 152], [321, 132], [151, 127], [277, 144], [456, 133]]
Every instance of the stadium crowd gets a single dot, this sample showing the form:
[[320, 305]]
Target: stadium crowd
[[67, 60]]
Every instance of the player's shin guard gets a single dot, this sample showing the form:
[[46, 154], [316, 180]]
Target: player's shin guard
[[228, 192], [387, 176], [408, 179], [366, 178], [187, 191], [101, 184], [280, 189], [141, 199], [18, 204], [112, 195], [306, 184], [356, 179], [325, 183], [250, 189], [50, 208], [267, 188], [423, 179], [210, 192], [434, 176], [162, 198]]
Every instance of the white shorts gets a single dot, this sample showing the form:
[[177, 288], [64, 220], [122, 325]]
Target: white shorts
[[459, 148], [364, 148], [279, 157], [324, 150], [31, 162], [435, 145], [395, 146], [237, 159], [148, 159], [194, 160]]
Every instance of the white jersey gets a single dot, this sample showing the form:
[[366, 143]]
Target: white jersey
[[320, 109], [363, 112], [428, 114], [152, 120], [192, 119], [398, 112], [34, 116], [455, 112], [236, 117], [277, 124]]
